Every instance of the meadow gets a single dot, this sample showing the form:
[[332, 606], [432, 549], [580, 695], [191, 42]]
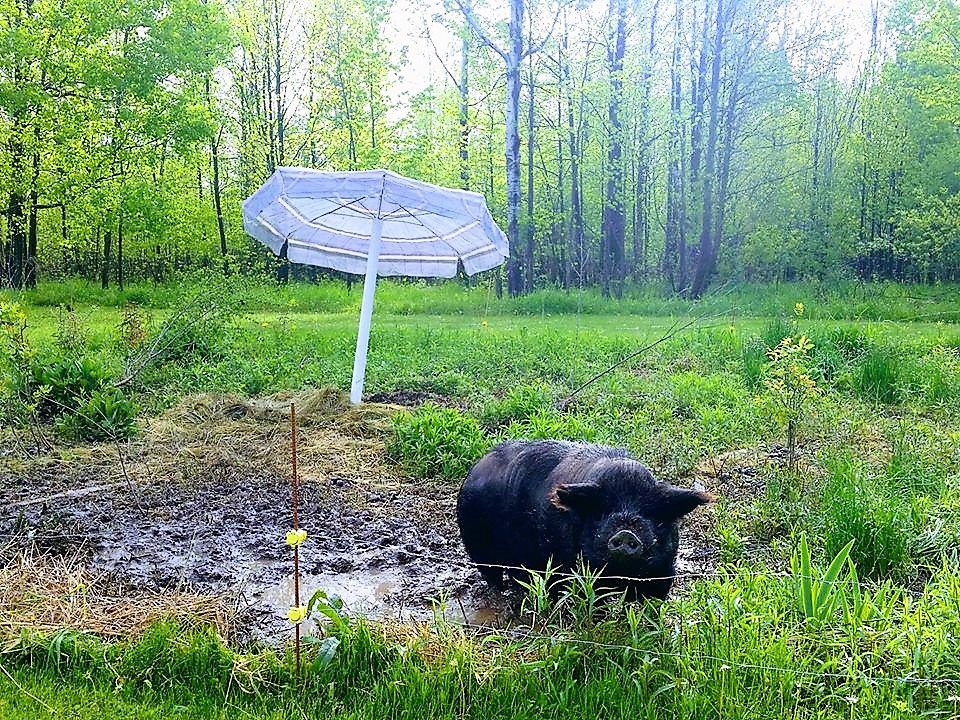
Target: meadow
[[871, 398]]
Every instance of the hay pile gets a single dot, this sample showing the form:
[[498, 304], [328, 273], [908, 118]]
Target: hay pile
[[204, 432], [45, 594]]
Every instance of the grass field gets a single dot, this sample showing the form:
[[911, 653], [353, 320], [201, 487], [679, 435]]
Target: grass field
[[879, 455]]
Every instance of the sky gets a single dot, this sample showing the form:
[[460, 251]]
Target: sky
[[411, 18]]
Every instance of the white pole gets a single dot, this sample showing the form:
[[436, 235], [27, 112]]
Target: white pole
[[366, 311]]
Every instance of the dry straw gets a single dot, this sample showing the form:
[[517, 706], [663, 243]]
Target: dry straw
[[45, 594]]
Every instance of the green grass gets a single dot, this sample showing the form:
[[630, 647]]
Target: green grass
[[863, 302], [735, 647], [880, 465]]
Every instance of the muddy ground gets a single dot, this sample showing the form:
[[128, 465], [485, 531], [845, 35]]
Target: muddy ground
[[200, 502]]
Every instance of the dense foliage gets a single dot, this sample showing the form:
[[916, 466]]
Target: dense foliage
[[677, 142]]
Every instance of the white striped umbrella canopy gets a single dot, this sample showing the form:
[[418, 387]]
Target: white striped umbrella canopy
[[373, 222]]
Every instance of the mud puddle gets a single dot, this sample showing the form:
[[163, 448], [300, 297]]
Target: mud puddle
[[201, 503]]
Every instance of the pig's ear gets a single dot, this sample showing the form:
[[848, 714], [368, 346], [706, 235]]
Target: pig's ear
[[677, 502], [578, 496]]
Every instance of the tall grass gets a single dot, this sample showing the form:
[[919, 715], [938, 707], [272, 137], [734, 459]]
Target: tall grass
[[736, 647], [836, 301], [865, 507]]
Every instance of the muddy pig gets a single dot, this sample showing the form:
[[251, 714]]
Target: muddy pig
[[524, 503]]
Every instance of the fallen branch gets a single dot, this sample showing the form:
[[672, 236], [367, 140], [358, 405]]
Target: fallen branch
[[673, 330], [75, 493]]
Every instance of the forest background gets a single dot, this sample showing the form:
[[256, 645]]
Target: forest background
[[618, 142]]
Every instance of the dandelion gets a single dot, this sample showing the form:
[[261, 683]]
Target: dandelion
[[297, 614], [296, 538], [484, 323], [798, 309]]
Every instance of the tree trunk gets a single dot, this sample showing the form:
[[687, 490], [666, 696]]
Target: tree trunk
[[528, 255], [215, 189], [514, 56], [562, 259], [673, 252], [614, 219], [576, 254], [464, 109], [105, 268], [120, 250], [706, 257], [698, 100], [31, 259], [277, 87], [644, 177]]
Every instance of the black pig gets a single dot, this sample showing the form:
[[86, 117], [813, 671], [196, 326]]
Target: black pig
[[524, 503]]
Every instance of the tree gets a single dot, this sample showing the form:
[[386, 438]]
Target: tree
[[513, 55]]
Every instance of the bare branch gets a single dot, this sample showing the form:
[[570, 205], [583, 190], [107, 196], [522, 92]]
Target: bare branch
[[467, 9], [533, 50], [436, 51]]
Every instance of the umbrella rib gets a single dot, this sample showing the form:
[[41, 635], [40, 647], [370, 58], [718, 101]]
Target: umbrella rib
[[421, 224], [341, 206]]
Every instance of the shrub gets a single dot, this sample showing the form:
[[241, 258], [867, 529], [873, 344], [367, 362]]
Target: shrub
[[437, 442], [849, 341], [520, 403], [937, 376], [65, 383], [753, 358], [776, 330], [197, 329], [15, 357], [790, 387], [106, 415], [548, 424]]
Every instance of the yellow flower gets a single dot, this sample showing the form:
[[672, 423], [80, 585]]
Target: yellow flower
[[296, 538], [297, 615], [798, 309], [484, 323]]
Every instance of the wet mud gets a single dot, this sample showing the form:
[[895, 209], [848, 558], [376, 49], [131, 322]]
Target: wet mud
[[201, 503]]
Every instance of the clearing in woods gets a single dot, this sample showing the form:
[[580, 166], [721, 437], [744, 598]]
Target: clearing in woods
[[183, 515]]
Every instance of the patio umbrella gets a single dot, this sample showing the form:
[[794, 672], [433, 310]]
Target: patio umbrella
[[373, 222]]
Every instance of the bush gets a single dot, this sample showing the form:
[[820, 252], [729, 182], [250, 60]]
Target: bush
[[753, 360], [106, 415], [520, 403], [64, 384], [15, 356], [848, 340], [861, 506], [551, 425], [776, 330], [197, 328], [437, 442]]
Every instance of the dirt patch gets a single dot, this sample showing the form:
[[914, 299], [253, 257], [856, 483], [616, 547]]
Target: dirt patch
[[412, 398], [200, 503]]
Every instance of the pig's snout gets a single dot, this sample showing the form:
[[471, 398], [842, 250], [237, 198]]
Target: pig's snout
[[625, 543]]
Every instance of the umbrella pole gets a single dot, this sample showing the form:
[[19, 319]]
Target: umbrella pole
[[366, 311]]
